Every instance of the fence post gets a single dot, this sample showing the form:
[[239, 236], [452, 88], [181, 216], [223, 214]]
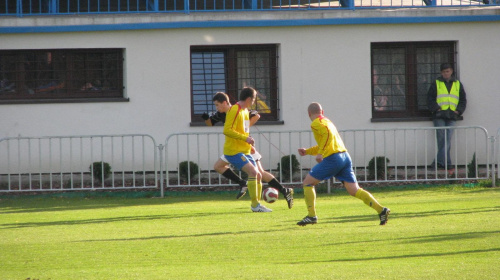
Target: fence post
[[19, 8], [53, 6], [493, 161], [160, 148], [186, 7], [153, 5], [347, 4]]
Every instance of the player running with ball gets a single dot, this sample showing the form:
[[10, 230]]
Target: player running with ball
[[333, 161], [222, 104]]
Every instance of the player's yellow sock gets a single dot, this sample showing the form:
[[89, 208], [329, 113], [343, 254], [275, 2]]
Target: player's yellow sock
[[259, 189], [252, 190], [369, 200], [310, 196]]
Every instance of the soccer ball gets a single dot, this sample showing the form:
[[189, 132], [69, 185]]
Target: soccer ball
[[270, 195]]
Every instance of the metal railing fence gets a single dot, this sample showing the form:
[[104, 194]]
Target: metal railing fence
[[407, 153], [61, 7], [64, 163], [496, 156]]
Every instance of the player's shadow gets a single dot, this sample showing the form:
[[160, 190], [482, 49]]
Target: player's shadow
[[466, 211], [403, 256], [400, 213], [188, 235], [98, 200], [423, 239], [107, 220]]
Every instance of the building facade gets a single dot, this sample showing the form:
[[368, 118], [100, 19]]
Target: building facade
[[155, 73]]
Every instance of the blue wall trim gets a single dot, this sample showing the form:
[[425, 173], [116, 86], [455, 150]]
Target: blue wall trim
[[245, 23]]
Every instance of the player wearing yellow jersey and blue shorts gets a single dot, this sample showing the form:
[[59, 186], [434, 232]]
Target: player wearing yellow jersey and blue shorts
[[333, 161], [238, 145], [222, 104]]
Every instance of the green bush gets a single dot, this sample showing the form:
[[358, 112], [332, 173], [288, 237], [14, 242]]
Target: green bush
[[100, 168], [185, 169], [488, 183], [471, 167], [284, 166], [381, 167]]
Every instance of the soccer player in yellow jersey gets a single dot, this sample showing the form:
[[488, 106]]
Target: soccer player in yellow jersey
[[238, 145], [222, 104], [333, 161]]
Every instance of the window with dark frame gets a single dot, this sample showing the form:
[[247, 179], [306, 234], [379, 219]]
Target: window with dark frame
[[62, 74], [229, 68], [402, 73]]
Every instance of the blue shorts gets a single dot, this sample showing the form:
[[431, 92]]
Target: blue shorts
[[239, 160], [337, 165]]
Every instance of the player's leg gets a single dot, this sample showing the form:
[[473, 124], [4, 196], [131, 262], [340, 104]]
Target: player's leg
[[247, 164], [222, 167], [259, 189], [354, 190], [271, 181], [256, 156], [310, 198], [347, 176], [321, 171], [254, 183]]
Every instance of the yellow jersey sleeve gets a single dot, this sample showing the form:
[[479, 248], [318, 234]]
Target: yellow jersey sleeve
[[237, 130], [327, 138]]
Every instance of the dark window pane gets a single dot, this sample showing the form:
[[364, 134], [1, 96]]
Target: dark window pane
[[61, 74], [229, 69], [401, 75]]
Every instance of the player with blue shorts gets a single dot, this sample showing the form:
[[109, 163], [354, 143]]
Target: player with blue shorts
[[222, 104], [238, 145], [333, 161]]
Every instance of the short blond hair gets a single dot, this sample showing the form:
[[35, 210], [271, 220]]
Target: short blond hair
[[314, 108]]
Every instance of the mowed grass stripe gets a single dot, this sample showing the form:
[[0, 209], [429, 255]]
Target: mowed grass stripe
[[433, 233]]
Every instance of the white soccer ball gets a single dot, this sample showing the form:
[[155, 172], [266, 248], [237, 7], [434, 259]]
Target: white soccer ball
[[270, 195]]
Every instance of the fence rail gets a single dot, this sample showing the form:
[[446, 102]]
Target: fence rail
[[63, 163], [407, 153], [61, 7]]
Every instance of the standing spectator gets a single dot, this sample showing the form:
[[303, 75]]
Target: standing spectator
[[446, 100]]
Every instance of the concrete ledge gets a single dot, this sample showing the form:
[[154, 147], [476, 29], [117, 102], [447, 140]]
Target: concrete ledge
[[104, 22]]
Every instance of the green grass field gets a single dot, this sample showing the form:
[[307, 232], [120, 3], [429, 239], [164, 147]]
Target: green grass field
[[433, 233]]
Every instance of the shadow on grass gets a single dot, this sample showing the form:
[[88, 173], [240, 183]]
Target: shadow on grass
[[465, 252], [108, 220], [396, 215], [185, 236], [45, 204], [424, 239], [102, 199]]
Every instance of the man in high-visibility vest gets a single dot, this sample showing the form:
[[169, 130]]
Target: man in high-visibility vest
[[446, 100]]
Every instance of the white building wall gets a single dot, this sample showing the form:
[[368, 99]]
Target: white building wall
[[327, 64]]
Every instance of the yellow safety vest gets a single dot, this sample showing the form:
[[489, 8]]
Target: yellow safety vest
[[448, 100]]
